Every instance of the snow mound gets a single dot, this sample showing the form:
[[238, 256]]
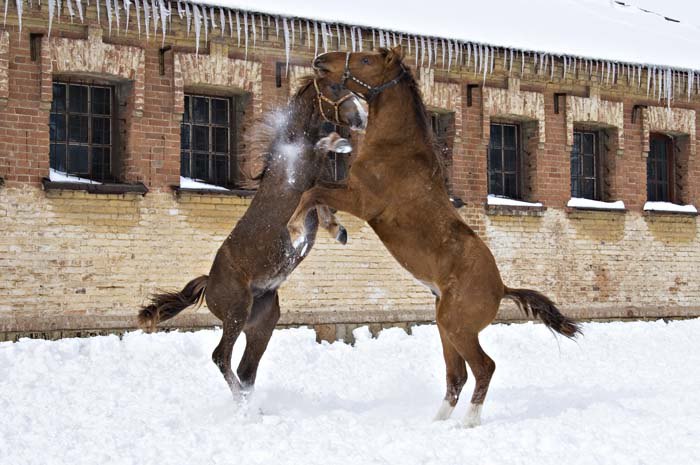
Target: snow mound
[[505, 201], [577, 202], [625, 393], [669, 207]]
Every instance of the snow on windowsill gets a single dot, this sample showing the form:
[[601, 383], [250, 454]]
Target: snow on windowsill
[[493, 200], [60, 176], [577, 202], [189, 183], [669, 207]]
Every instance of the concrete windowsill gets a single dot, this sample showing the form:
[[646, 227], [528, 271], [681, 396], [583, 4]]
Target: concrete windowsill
[[514, 210], [104, 188], [245, 193], [620, 211]]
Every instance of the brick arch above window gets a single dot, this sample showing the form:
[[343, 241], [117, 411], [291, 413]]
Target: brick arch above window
[[671, 121], [93, 57], [594, 110], [513, 104], [216, 70], [296, 74]]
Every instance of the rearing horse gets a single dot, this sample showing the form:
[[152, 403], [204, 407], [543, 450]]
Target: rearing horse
[[396, 185]]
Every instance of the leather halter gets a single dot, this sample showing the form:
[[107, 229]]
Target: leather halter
[[334, 103], [372, 91]]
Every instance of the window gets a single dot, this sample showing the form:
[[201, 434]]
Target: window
[[80, 130], [504, 161], [660, 169], [585, 165], [206, 139]]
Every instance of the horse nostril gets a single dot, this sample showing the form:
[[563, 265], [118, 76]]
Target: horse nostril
[[317, 62]]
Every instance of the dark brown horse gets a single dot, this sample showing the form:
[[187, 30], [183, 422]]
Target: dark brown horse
[[396, 184], [258, 255]]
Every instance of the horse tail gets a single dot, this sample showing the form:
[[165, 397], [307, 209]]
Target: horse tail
[[540, 306], [166, 305]]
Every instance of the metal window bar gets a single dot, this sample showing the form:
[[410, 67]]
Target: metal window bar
[[504, 160], [206, 139], [81, 130]]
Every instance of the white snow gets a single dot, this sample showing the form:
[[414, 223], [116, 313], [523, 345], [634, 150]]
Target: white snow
[[189, 183], [60, 176], [669, 207], [626, 393], [577, 202], [608, 31], [496, 200]]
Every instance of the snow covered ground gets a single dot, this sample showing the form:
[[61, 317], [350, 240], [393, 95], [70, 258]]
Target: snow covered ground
[[626, 393]]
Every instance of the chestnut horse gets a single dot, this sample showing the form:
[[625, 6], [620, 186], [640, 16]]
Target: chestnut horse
[[258, 255], [396, 185]]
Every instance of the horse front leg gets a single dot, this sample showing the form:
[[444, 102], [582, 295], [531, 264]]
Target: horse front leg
[[330, 223], [343, 198]]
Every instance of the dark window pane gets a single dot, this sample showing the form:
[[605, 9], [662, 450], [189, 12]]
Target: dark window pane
[[185, 164], [100, 163], [510, 188], [57, 128], [200, 138], [200, 110], [495, 184], [651, 168], [588, 166], [220, 140], [662, 171], [588, 189], [78, 159], [186, 116], [509, 137], [59, 98], [496, 130], [588, 143], [495, 162], [184, 136], [78, 99], [101, 131], [219, 111], [201, 166], [78, 128], [57, 157], [577, 142], [101, 100], [509, 160], [220, 170]]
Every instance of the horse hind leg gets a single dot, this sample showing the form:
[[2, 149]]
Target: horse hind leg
[[456, 377], [235, 308], [258, 330], [461, 323], [330, 223]]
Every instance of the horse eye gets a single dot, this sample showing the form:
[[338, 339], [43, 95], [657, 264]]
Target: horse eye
[[335, 87], [365, 61]]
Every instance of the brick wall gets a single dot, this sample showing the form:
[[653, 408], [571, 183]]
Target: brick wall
[[78, 260]]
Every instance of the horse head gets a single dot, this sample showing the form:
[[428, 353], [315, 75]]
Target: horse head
[[365, 73], [339, 106]]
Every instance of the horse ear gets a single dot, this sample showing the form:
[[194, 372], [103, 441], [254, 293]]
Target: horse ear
[[394, 54]]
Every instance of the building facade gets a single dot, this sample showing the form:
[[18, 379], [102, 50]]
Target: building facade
[[580, 174]]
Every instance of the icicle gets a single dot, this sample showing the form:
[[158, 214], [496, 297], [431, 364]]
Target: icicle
[[648, 80], [180, 9], [337, 30], [485, 59], [147, 17], [69, 4], [415, 47], [522, 63], [359, 38], [286, 44], [345, 37], [429, 44], [59, 11], [393, 36], [535, 62], [690, 82], [238, 28], [374, 40], [291, 23], [252, 24], [564, 67], [352, 39], [493, 56], [477, 59], [324, 38], [116, 12], [127, 10], [245, 33], [435, 43], [381, 39], [52, 7], [164, 17], [230, 21], [19, 5], [442, 42], [137, 9], [315, 38], [614, 73], [4, 19], [308, 34], [108, 4], [222, 19], [469, 54], [551, 72], [205, 22], [449, 54], [197, 25], [277, 27], [422, 50]]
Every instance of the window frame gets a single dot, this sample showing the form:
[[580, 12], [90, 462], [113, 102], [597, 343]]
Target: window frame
[[518, 173], [668, 141], [598, 161], [108, 174], [231, 127]]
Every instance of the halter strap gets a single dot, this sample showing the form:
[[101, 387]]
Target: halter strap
[[372, 91], [334, 103]]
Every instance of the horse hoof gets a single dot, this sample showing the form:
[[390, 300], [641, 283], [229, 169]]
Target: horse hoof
[[342, 236]]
